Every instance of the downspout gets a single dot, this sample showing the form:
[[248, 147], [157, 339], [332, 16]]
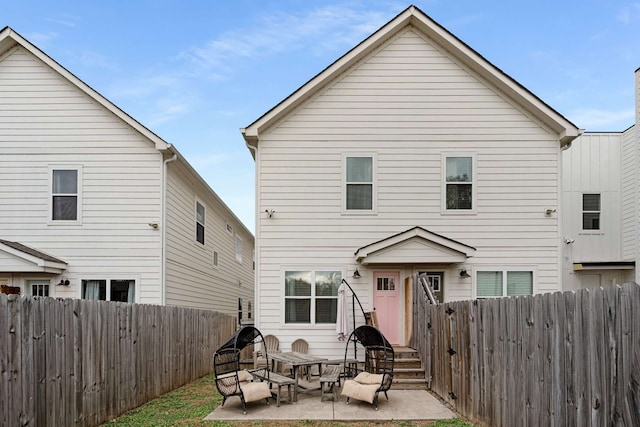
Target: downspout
[[163, 224], [256, 246]]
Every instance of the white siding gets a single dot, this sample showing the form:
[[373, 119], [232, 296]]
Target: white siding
[[46, 121], [192, 279], [630, 177], [408, 103]]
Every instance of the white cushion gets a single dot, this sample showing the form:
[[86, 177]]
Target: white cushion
[[367, 378], [356, 390], [255, 391]]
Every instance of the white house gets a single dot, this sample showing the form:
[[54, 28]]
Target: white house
[[95, 205], [601, 215], [410, 153]]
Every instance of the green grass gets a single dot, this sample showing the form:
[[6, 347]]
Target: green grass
[[188, 405]]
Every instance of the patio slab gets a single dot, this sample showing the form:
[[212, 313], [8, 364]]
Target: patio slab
[[402, 405]]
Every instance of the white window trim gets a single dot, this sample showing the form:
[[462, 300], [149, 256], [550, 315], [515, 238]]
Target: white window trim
[[374, 184], [443, 183], [108, 279], [504, 270], [312, 316], [235, 248], [27, 285], [196, 222], [50, 220]]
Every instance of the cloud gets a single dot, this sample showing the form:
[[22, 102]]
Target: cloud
[[593, 119], [629, 14], [65, 20]]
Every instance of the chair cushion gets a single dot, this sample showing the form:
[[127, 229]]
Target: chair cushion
[[367, 378], [356, 390], [255, 391], [229, 378]]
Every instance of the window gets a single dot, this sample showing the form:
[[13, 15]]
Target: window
[[591, 211], [458, 182], [200, 217], [504, 283], [229, 229], [38, 288], [311, 297], [359, 183], [238, 248], [215, 258], [109, 290], [65, 194]]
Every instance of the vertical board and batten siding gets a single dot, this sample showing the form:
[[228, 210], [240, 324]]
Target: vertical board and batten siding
[[71, 362], [630, 188], [192, 278], [592, 166], [555, 359], [45, 121], [407, 103]]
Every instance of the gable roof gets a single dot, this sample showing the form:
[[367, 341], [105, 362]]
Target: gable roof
[[9, 39], [30, 259], [413, 16], [416, 245]]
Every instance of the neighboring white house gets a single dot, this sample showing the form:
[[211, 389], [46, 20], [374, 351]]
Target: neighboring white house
[[601, 215], [95, 205], [410, 153]]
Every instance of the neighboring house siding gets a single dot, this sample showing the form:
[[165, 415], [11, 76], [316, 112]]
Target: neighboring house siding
[[407, 104], [192, 278], [46, 121], [630, 178]]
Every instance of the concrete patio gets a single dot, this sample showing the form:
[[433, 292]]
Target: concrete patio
[[402, 405]]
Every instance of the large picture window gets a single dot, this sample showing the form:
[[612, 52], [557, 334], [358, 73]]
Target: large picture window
[[458, 183], [109, 290], [591, 211], [311, 296], [65, 194], [501, 283], [359, 183]]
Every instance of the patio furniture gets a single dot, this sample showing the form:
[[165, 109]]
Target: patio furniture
[[328, 378], [297, 360], [230, 380], [300, 346], [377, 374], [275, 379], [270, 345]]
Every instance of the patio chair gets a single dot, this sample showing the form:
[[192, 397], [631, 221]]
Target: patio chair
[[231, 381], [301, 346], [271, 345], [377, 374]]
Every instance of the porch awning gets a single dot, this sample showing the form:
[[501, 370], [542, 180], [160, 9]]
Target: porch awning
[[414, 246], [18, 258]]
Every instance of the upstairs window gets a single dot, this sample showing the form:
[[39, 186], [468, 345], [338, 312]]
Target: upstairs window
[[238, 248], [591, 211], [64, 194], [359, 183], [200, 217], [458, 182]]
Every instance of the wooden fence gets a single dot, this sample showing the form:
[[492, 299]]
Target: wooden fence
[[70, 362], [561, 359]]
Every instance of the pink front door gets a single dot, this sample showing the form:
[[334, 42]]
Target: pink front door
[[386, 300]]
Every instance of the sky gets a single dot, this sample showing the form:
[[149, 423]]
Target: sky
[[196, 71]]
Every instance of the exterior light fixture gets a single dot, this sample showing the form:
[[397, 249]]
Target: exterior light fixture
[[63, 282], [356, 274], [464, 274]]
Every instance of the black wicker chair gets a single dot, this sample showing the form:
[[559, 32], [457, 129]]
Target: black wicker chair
[[377, 374], [229, 378]]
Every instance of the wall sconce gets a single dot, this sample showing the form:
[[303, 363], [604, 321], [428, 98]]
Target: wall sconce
[[356, 274], [270, 212], [464, 274], [153, 225], [63, 282], [548, 212]]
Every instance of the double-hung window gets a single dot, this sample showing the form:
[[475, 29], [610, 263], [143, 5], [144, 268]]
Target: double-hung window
[[311, 296], [109, 290], [501, 283], [65, 194], [458, 191], [200, 220], [591, 211], [359, 183], [238, 249]]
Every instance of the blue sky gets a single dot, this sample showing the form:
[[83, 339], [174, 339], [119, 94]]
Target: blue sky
[[195, 72]]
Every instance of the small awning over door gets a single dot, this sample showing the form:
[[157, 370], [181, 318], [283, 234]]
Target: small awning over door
[[414, 246], [18, 258]]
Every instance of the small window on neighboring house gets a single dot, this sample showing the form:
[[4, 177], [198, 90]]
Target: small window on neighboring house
[[229, 228], [249, 310], [65, 194], [458, 181], [38, 288], [591, 211], [109, 290], [238, 248], [359, 184], [503, 283], [200, 218]]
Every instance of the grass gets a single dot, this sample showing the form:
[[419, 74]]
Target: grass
[[188, 405]]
